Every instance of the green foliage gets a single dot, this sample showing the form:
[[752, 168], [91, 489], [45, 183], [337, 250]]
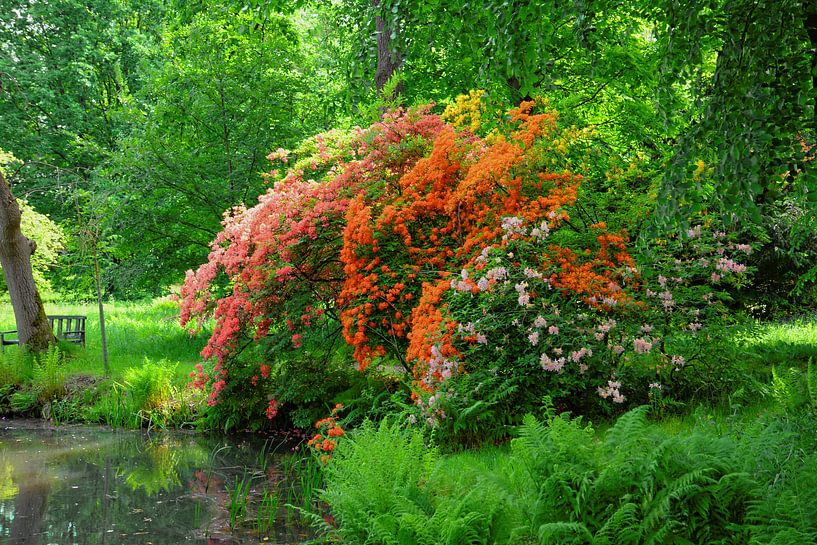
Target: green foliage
[[114, 408], [23, 402], [61, 88], [48, 379], [150, 384], [756, 132], [16, 367], [795, 389], [563, 483], [156, 400], [46, 234], [198, 135], [374, 484], [781, 343], [238, 500], [143, 391]]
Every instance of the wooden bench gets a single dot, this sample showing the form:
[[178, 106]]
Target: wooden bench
[[66, 328]]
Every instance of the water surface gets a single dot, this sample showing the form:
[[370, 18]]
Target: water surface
[[92, 486]]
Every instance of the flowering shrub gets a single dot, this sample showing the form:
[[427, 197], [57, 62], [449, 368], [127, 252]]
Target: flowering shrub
[[466, 260], [274, 275], [531, 319], [396, 255], [329, 431]]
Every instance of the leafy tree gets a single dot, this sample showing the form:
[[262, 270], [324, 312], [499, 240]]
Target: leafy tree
[[755, 122], [65, 70], [39, 228], [228, 91]]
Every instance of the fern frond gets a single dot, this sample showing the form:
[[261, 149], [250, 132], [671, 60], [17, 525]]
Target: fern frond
[[811, 385], [622, 527], [564, 533]]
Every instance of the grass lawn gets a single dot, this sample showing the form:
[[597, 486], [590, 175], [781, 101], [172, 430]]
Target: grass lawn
[[135, 331]]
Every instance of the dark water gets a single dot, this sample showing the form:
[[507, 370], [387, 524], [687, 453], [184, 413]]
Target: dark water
[[91, 486]]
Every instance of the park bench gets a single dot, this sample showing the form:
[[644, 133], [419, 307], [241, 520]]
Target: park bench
[[66, 328]]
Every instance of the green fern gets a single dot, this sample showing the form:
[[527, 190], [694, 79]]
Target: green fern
[[49, 374], [22, 402], [811, 385], [564, 533], [16, 367]]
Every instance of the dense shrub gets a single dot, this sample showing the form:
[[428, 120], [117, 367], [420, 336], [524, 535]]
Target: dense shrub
[[464, 262]]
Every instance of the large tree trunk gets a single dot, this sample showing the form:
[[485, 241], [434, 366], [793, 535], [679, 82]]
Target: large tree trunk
[[33, 328], [388, 59]]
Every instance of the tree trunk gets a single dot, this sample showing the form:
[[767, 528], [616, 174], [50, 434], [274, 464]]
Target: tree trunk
[[33, 328], [388, 60]]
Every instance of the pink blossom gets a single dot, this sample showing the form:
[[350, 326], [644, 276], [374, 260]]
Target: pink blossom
[[678, 361], [612, 389], [551, 365], [666, 300], [577, 355], [642, 346], [727, 265], [497, 273]]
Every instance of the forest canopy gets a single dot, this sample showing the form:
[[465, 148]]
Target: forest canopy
[[154, 118]]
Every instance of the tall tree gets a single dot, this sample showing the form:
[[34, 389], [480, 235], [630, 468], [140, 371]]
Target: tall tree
[[33, 328], [755, 123], [66, 68], [225, 92]]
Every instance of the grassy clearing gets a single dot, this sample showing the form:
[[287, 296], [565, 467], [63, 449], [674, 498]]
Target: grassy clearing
[[135, 330], [150, 358], [783, 343]]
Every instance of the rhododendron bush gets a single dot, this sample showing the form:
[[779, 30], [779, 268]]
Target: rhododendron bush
[[451, 256], [530, 322]]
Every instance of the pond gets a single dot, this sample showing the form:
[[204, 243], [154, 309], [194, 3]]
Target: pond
[[94, 486]]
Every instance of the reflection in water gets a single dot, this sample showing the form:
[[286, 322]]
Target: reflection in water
[[86, 486], [29, 505]]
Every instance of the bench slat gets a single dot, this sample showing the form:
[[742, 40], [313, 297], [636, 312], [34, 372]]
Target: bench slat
[[69, 329]]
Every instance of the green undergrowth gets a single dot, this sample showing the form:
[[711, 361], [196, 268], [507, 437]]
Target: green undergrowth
[[725, 479], [739, 471], [150, 358], [147, 396], [782, 343]]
